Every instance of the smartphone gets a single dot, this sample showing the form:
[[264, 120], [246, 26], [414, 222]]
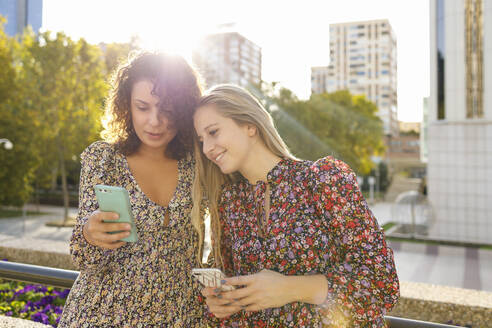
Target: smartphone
[[211, 277], [116, 199]]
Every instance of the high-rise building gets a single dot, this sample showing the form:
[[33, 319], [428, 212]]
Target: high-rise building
[[363, 60], [460, 119], [228, 58], [20, 14], [319, 79]]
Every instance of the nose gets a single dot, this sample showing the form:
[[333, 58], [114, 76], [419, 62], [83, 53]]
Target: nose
[[207, 147], [156, 118]]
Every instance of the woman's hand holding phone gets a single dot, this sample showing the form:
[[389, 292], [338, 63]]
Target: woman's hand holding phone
[[220, 307], [265, 289], [97, 232]]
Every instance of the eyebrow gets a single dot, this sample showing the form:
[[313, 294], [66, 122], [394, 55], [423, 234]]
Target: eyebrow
[[146, 103], [206, 128], [143, 102], [209, 126]]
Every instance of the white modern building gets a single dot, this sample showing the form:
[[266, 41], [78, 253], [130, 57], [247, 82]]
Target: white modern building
[[460, 119], [363, 60], [319, 79], [228, 58]]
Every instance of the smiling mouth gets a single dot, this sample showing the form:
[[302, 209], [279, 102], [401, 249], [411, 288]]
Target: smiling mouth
[[219, 157]]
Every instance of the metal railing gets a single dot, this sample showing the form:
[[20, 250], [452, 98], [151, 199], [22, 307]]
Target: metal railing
[[65, 279], [37, 274]]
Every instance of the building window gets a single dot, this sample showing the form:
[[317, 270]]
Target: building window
[[440, 34]]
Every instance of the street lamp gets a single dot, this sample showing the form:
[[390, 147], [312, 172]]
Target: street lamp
[[377, 160], [7, 143]]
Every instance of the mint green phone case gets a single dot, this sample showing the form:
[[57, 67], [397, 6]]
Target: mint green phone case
[[116, 199]]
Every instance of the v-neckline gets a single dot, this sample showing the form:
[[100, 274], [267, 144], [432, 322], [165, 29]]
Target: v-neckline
[[135, 182]]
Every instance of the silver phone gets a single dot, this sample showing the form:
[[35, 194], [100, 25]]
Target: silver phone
[[211, 277]]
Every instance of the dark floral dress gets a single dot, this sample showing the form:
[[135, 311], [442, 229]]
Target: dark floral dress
[[319, 223], [142, 284]]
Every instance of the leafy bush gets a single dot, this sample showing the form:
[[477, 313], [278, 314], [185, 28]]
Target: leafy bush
[[32, 302]]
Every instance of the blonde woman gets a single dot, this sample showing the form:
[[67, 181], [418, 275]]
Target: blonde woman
[[296, 238]]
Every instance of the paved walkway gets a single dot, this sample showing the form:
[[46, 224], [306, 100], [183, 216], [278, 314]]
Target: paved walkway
[[443, 265]]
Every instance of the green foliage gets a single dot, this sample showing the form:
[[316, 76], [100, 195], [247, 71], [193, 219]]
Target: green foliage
[[114, 53], [18, 164], [7, 213], [54, 89], [338, 124], [32, 302]]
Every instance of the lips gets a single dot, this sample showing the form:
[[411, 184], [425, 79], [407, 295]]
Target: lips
[[154, 136], [219, 156]]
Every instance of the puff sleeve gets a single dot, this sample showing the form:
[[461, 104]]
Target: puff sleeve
[[361, 275], [97, 168]]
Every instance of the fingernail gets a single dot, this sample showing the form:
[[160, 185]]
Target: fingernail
[[128, 227], [115, 216]]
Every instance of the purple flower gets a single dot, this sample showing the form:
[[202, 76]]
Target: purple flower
[[47, 309], [63, 294], [47, 300], [8, 314], [40, 317]]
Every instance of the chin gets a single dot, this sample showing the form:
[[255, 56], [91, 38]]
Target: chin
[[225, 170]]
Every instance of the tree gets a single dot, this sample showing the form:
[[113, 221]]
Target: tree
[[337, 124], [18, 164], [116, 52], [67, 97]]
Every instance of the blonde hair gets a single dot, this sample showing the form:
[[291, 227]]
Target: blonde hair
[[238, 104]]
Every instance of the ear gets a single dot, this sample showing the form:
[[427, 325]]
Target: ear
[[252, 130]]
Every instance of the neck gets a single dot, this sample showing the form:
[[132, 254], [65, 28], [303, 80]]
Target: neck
[[153, 154], [257, 166]]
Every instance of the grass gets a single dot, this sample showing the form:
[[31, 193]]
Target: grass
[[377, 195], [389, 225], [4, 213]]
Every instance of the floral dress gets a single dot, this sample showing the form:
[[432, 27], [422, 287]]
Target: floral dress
[[318, 223], [142, 284]]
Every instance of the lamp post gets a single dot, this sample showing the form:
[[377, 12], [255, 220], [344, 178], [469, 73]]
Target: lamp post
[[377, 160], [6, 143]]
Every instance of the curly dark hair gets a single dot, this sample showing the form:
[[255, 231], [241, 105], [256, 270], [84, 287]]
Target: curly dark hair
[[176, 84]]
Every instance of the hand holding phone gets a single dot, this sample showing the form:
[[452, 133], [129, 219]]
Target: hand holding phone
[[211, 277], [96, 230], [116, 199]]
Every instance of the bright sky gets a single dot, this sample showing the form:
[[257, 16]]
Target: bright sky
[[293, 35]]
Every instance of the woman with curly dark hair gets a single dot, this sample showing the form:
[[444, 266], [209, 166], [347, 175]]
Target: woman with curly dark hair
[[147, 150]]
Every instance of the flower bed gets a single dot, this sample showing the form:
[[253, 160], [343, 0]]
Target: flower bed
[[32, 302]]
